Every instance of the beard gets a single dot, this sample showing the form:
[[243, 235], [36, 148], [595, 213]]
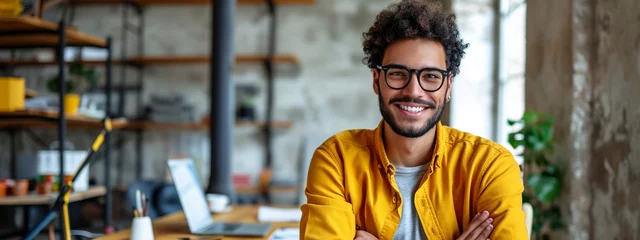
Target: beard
[[409, 132]]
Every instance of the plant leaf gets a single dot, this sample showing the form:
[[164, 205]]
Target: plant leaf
[[76, 68], [529, 116], [92, 77], [526, 198], [533, 140], [541, 160], [512, 122], [546, 131], [554, 217], [546, 188], [515, 143]]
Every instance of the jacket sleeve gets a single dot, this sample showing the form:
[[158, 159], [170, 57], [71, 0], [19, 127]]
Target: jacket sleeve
[[327, 214], [501, 194]]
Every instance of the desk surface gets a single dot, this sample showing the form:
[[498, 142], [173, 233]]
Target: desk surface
[[174, 226]]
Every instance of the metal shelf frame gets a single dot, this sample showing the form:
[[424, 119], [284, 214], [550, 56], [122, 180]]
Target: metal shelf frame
[[61, 45]]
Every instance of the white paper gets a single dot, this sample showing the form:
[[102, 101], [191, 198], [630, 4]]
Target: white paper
[[285, 234], [271, 214]]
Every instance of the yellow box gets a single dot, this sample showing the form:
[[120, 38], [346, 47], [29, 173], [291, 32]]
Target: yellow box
[[10, 8], [11, 94]]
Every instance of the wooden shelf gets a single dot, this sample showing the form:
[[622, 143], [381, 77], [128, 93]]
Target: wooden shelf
[[201, 126], [36, 199], [160, 60], [241, 58], [46, 119], [20, 32], [25, 62], [184, 2]]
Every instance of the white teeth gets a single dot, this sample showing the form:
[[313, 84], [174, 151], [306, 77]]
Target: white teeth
[[411, 109]]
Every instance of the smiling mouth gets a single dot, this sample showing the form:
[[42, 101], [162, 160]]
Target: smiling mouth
[[411, 109]]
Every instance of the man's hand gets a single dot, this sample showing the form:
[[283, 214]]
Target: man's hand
[[364, 235], [480, 227]]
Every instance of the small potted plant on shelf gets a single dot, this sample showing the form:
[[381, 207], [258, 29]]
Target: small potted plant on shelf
[[542, 176], [79, 77]]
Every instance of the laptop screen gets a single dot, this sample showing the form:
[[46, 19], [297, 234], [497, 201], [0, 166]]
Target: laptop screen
[[192, 199]]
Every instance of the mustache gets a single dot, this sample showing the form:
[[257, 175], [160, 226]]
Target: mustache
[[413, 100]]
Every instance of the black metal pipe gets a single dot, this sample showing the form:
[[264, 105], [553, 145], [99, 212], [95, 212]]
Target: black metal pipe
[[270, 85], [14, 160], [123, 55], [62, 123], [270, 75], [222, 97], [140, 110], [107, 143]]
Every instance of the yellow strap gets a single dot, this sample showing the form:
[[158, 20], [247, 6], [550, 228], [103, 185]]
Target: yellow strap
[[107, 124], [65, 211], [97, 142]]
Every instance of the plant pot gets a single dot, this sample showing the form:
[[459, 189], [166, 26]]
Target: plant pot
[[3, 189], [44, 188], [71, 103], [20, 188]]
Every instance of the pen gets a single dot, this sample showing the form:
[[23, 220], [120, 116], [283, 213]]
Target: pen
[[138, 201], [144, 205]]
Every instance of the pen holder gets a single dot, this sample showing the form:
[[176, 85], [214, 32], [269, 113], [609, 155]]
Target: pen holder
[[141, 229]]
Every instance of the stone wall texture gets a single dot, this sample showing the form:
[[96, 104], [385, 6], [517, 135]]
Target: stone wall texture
[[583, 68]]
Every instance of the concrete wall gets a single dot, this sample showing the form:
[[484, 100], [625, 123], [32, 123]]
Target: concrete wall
[[582, 68]]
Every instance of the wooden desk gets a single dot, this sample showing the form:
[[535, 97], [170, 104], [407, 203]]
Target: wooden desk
[[174, 226]]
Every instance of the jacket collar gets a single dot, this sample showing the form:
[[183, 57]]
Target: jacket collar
[[442, 137]]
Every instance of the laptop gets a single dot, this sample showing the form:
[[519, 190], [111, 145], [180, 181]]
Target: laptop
[[195, 207]]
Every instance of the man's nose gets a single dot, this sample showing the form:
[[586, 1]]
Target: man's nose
[[413, 88]]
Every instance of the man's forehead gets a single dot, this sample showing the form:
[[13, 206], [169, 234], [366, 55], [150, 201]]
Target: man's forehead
[[415, 53]]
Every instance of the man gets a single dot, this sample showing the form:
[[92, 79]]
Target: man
[[412, 177]]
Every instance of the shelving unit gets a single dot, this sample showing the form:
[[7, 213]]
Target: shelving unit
[[138, 60], [161, 60], [27, 33], [146, 3], [44, 200], [202, 126], [47, 119], [240, 59]]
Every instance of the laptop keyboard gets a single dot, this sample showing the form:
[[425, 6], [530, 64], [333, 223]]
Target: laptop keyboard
[[222, 227]]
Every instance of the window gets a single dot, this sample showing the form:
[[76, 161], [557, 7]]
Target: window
[[512, 67]]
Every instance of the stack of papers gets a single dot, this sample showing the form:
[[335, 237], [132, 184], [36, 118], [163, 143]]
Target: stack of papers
[[285, 234], [271, 214]]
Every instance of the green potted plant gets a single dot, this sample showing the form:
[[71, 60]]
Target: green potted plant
[[542, 177], [79, 77]]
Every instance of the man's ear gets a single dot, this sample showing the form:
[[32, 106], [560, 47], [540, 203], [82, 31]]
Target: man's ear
[[375, 75]]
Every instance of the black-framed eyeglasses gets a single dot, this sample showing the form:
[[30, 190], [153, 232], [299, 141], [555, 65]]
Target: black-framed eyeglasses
[[398, 77]]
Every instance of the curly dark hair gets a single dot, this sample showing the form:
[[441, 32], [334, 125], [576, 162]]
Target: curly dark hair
[[410, 19]]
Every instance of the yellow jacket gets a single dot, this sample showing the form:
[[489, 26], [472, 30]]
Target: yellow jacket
[[350, 186]]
